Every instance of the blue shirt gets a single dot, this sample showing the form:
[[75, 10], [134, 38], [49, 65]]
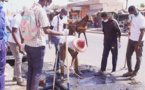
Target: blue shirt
[[2, 24]]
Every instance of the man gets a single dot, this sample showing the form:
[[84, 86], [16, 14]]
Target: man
[[5, 33], [35, 48], [111, 32], [72, 52], [58, 25], [15, 40], [75, 45], [2, 46], [136, 41]]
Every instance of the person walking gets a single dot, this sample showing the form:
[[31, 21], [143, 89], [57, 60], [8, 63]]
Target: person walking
[[58, 24], [2, 46], [136, 41], [111, 32]]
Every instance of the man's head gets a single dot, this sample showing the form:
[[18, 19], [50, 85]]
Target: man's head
[[45, 2], [63, 12], [132, 10], [105, 16], [2, 3]]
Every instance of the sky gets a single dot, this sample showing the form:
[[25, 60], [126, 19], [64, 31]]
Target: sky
[[16, 5]]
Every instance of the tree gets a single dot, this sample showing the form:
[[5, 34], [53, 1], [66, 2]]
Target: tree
[[71, 0], [142, 5]]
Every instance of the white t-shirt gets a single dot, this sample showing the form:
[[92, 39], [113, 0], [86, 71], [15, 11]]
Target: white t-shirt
[[7, 21], [69, 40], [138, 22], [16, 24], [54, 23]]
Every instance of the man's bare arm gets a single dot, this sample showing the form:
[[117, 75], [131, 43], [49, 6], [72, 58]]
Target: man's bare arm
[[8, 27], [140, 39], [14, 31], [51, 32]]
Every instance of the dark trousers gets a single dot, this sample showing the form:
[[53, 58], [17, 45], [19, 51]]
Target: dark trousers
[[55, 41], [109, 45], [35, 64], [2, 64], [130, 50]]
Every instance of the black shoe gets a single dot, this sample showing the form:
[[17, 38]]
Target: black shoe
[[133, 76], [127, 74]]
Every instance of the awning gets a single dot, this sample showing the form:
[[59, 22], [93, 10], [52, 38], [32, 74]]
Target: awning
[[92, 12]]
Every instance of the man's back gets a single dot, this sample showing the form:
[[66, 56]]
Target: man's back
[[42, 21]]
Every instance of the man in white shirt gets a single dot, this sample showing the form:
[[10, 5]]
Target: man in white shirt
[[136, 41], [15, 40], [57, 24], [75, 45]]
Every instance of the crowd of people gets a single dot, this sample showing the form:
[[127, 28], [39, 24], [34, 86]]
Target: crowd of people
[[35, 44]]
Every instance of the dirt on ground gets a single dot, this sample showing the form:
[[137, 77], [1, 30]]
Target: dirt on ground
[[89, 81]]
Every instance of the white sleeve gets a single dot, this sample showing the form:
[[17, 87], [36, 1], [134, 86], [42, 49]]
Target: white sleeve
[[7, 22], [142, 24], [43, 19], [15, 23], [54, 21]]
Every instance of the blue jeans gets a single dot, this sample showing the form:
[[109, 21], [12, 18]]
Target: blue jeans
[[109, 45], [2, 64], [35, 64], [55, 41]]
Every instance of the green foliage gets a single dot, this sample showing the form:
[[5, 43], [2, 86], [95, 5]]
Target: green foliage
[[142, 5], [71, 0]]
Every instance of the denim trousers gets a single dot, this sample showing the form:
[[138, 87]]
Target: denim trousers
[[110, 45], [35, 64], [55, 41], [2, 64]]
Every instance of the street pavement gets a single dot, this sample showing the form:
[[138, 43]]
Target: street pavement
[[93, 56]]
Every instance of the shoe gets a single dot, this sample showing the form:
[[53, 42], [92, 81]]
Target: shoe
[[113, 73], [133, 76], [99, 73], [127, 74], [58, 72], [22, 83], [62, 77], [14, 79], [78, 72]]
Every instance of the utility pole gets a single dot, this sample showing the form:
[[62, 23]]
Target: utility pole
[[126, 4]]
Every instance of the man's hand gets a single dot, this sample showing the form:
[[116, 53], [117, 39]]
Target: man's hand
[[119, 45], [65, 32], [6, 47], [61, 63], [136, 48], [20, 50], [72, 70]]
